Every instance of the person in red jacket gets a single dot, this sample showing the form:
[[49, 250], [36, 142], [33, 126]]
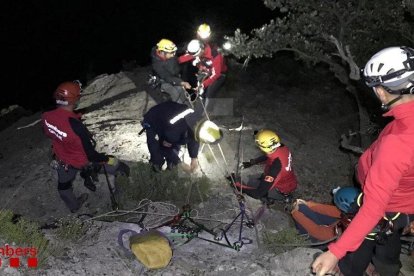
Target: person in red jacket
[[211, 68], [278, 180], [73, 146], [386, 173]]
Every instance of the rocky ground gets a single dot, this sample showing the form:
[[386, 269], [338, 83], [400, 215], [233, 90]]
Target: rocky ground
[[307, 108]]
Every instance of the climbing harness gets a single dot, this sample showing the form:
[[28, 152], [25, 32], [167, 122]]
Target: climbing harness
[[383, 229], [184, 226]]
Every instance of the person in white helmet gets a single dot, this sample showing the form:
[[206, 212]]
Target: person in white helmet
[[386, 173], [211, 68]]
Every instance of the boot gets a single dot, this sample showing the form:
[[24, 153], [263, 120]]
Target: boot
[[88, 174], [88, 182], [71, 201]]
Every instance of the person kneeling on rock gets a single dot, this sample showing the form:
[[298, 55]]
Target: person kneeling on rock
[[74, 148], [168, 126], [278, 181]]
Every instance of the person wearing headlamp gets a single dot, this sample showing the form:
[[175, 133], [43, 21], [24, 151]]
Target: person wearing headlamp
[[170, 125], [278, 181], [211, 67]]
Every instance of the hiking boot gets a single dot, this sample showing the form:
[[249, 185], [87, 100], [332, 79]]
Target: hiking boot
[[80, 200], [89, 184]]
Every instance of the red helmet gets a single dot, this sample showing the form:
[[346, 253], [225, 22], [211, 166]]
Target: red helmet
[[68, 92]]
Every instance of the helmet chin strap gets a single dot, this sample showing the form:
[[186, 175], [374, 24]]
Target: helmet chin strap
[[386, 107]]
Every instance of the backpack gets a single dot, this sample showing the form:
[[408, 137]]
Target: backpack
[[151, 248]]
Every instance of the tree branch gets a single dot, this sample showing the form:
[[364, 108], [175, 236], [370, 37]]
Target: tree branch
[[346, 55], [345, 144]]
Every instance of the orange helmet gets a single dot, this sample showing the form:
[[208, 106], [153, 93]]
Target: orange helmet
[[68, 92]]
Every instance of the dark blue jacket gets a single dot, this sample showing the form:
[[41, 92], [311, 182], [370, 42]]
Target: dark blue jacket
[[180, 132]]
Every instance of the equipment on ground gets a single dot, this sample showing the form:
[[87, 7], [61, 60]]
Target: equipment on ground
[[151, 248]]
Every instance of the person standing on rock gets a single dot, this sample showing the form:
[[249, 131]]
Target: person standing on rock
[[386, 173], [165, 67], [73, 146], [211, 68], [278, 180]]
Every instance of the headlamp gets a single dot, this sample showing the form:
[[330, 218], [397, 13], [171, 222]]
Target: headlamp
[[208, 132]]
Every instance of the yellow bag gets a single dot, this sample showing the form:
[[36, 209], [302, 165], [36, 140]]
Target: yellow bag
[[152, 249]]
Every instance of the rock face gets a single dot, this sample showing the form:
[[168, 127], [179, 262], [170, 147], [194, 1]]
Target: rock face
[[11, 114], [113, 106]]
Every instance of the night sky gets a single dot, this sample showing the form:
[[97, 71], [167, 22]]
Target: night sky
[[47, 42]]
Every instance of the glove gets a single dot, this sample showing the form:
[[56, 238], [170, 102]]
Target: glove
[[112, 160], [249, 163]]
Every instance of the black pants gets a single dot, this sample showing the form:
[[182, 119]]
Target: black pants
[[160, 154], [386, 257], [262, 189]]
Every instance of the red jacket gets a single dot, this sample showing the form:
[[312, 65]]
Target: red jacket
[[386, 174], [285, 181], [67, 146], [212, 62]]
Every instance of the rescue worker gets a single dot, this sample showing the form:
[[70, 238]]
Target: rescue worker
[[168, 125], [211, 71], [322, 222], [165, 66], [386, 173], [278, 180], [73, 146]]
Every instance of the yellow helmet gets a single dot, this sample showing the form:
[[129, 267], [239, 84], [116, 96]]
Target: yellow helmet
[[166, 45], [267, 140], [208, 132], [204, 31]]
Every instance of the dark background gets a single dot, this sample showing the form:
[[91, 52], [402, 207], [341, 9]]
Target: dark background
[[47, 42]]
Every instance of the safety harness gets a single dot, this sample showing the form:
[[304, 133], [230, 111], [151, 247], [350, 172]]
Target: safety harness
[[387, 225]]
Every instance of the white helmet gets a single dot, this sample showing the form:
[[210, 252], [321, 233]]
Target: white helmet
[[194, 47], [392, 68]]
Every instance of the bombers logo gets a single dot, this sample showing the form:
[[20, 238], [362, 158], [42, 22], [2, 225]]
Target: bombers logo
[[54, 130], [14, 254]]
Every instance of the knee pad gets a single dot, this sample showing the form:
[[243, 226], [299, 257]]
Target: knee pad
[[64, 185]]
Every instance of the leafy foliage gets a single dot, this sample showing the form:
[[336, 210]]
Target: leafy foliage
[[322, 31], [72, 228], [341, 34], [171, 185], [25, 233], [289, 236]]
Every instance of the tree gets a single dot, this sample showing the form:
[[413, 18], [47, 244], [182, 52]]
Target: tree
[[341, 34]]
